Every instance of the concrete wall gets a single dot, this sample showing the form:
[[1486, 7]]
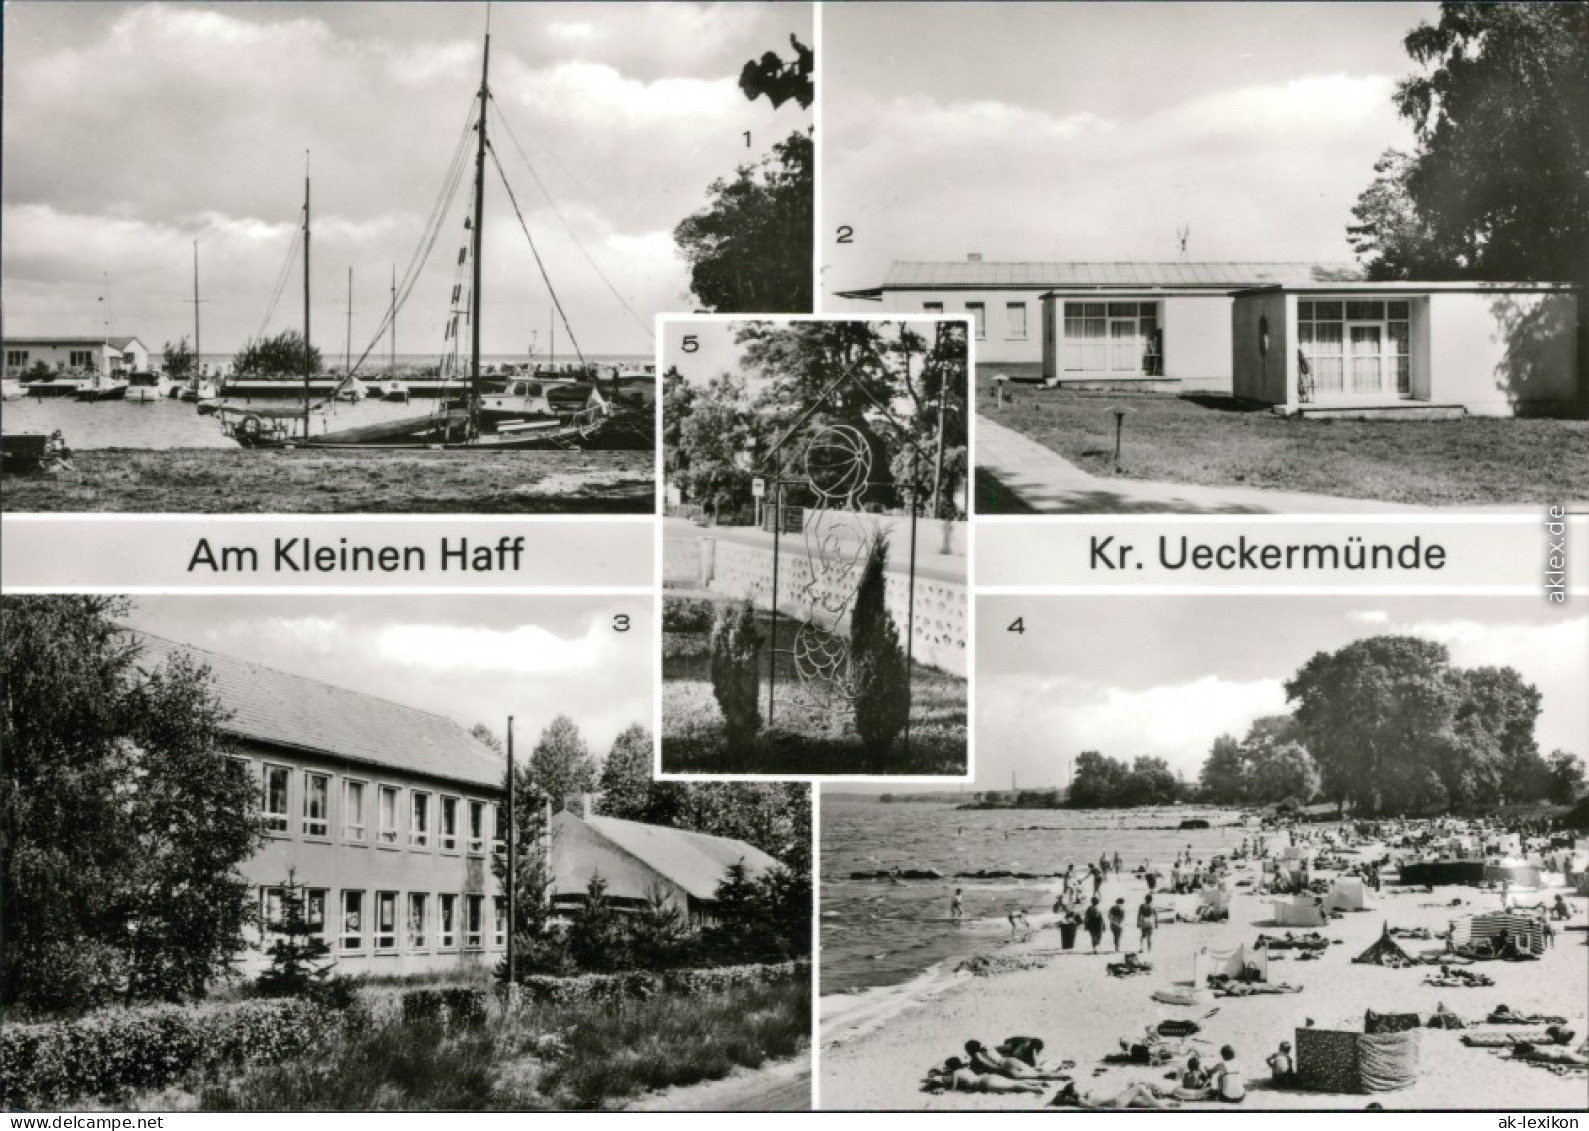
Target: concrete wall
[[1502, 353], [996, 344], [340, 862], [1270, 377], [743, 570]]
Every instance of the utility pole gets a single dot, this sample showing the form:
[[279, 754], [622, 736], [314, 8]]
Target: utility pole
[[512, 870]]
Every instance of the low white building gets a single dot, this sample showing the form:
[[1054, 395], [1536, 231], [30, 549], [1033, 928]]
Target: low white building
[[1409, 348], [101, 354]]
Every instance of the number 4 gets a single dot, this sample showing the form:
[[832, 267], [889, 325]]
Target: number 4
[[1017, 625]]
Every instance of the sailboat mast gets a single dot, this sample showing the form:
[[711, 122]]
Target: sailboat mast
[[198, 351], [479, 227], [347, 342], [392, 371], [306, 367]]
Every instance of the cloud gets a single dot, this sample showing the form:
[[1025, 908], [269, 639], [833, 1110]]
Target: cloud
[[1368, 616], [1037, 725], [1262, 171]]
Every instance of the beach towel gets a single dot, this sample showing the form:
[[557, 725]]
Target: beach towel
[[1494, 1040], [1180, 994]]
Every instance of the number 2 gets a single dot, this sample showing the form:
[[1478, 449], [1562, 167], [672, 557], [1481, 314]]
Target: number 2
[[846, 234]]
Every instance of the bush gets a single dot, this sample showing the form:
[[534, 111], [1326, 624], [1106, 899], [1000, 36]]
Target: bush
[[641, 985], [111, 1055], [692, 615], [877, 663], [736, 679], [448, 1006]]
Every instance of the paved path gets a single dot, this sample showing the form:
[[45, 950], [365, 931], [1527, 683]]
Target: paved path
[[1051, 484], [784, 1086]]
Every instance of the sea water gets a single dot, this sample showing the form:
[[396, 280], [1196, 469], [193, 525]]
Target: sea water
[[884, 943], [173, 423]]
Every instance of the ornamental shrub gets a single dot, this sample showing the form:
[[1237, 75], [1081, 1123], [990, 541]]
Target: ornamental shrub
[[877, 663], [736, 680]]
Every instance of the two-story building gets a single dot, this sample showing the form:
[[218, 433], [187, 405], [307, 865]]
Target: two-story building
[[387, 815]]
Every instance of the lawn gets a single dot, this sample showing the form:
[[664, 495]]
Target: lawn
[[234, 481], [808, 736], [1218, 441]]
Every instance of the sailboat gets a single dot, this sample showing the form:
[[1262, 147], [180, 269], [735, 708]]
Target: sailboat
[[533, 413]]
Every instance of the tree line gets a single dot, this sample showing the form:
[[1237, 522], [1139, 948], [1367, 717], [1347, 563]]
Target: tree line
[[904, 396]]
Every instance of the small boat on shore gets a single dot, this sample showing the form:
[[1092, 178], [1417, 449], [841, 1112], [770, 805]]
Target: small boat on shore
[[12, 390], [199, 389], [395, 391]]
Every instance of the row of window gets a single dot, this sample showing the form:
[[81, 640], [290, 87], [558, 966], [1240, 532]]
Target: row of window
[[458, 922], [423, 820], [1360, 347], [1014, 318]]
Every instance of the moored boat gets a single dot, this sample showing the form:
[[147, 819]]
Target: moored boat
[[59, 385], [102, 388], [144, 387]]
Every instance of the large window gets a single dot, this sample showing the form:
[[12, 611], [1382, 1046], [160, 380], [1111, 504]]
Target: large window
[[499, 929], [82, 359], [499, 828], [474, 907], [477, 826], [316, 805], [979, 317], [386, 920], [353, 920], [388, 814], [314, 909], [449, 824], [419, 819], [1112, 337], [16, 358], [447, 906], [278, 782], [270, 913], [1356, 347], [418, 921], [1015, 320], [353, 810]]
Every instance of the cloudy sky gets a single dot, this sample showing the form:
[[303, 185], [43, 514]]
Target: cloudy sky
[[133, 129], [1092, 131], [1165, 676], [475, 659]]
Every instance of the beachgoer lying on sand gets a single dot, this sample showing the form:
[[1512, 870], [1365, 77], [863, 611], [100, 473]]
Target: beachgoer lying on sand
[[1134, 1095], [1128, 966], [1147, 1049], [1252, 989], [1029, 1050], [1550, 1054], [991, 1062], [954, 1076], [1443, 1018], [1458, 979], [1505, 1015]]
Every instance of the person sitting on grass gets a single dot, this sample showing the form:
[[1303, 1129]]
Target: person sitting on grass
[[954, 1076], [1133, 1095]]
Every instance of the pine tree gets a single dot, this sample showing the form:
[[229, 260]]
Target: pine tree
[[877, 663], [300, 958], [736, 680]]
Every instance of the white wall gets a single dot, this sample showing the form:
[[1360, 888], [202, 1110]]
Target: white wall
[[996, 344], [1197, 342], [1503, 353]]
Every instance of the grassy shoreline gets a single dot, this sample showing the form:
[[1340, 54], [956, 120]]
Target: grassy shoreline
[[235, 481]]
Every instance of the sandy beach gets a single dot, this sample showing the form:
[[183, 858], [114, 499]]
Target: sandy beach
[[875, 1057]]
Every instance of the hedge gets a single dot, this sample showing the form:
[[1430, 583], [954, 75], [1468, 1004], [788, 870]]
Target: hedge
[[451, 1005], [110, 1055], [641, 984], [688, 615]]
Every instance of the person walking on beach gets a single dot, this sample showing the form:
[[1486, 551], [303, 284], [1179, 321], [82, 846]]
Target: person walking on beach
[[1093, 921], [1117, 921], [1147, 919], [1151, 876], [957, 909], [1119, 864], [1097, 880]]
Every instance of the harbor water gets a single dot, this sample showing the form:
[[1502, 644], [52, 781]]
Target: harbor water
[[171, 423]]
